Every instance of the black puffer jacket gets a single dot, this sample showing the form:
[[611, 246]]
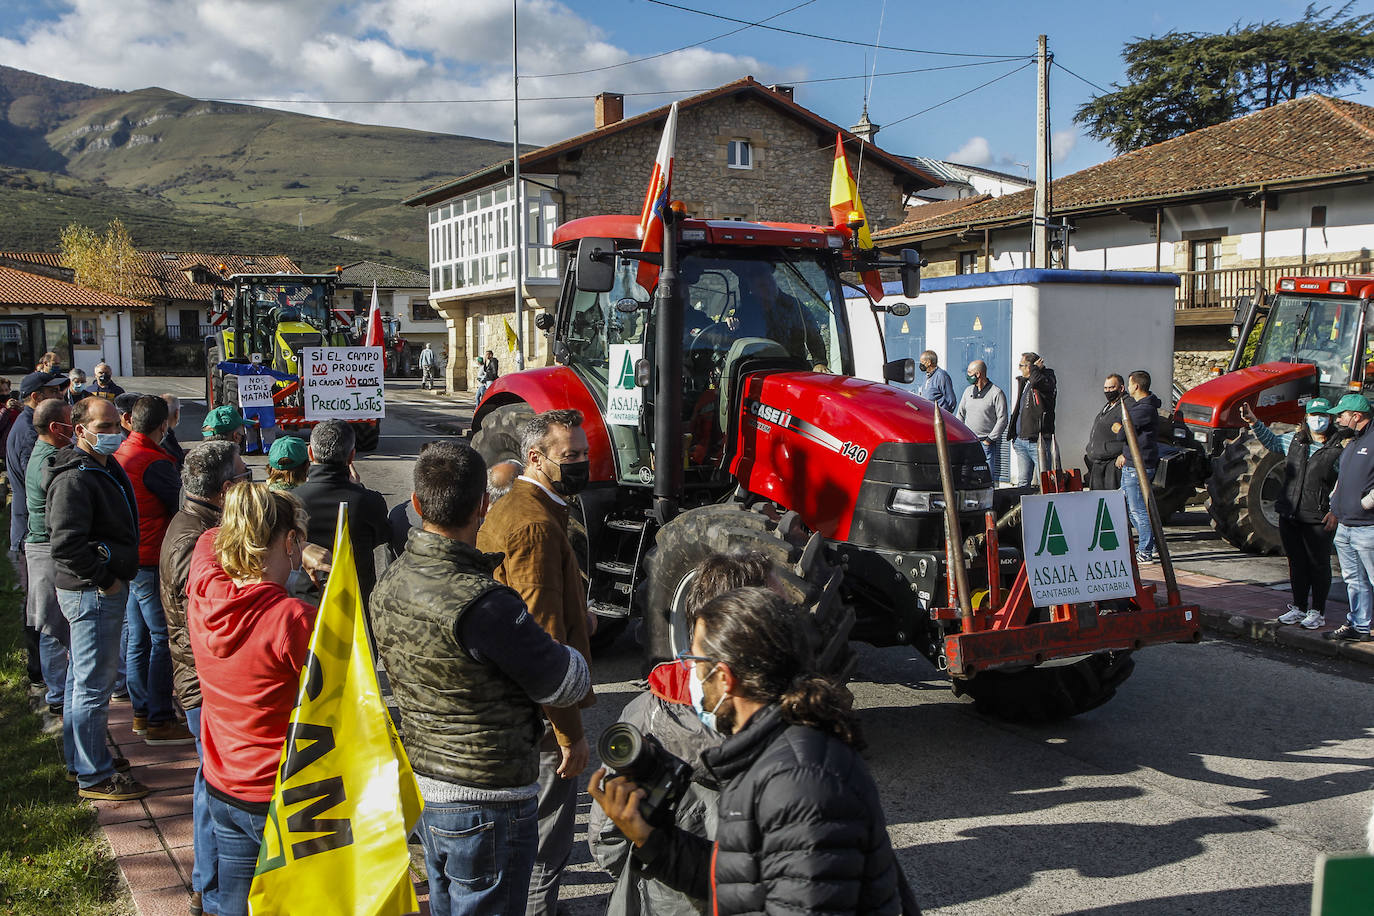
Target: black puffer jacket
[[1104, 447], [93, 519], [801, 829]]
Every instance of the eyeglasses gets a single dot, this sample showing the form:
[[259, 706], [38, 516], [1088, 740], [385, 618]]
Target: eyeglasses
[[687, 661], [246, 475]]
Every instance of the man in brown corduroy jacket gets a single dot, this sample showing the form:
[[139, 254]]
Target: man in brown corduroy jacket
[[530, 526]]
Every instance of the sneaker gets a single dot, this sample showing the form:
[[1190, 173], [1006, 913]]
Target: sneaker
[[1346, 632], [119, 787], [1314, 620], [121, 765], [140, 725], [1145, 559], [196, 909], [168, 733], [1295, 615], [55, 710], [121, 693]]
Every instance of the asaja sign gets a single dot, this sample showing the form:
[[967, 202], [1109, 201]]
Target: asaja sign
[[624, 399], [1078, 547]]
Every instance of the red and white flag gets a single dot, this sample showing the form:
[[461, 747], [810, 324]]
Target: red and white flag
[[651, 217], [374, 321]]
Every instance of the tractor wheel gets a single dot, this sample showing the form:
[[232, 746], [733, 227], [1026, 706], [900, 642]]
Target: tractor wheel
[[367, 436], [1245, 483], [1048, 694], [213, 386], [801, 571], [499, 438]]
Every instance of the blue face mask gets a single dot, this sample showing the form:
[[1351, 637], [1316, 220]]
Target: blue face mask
[[107, 443], [697, 690], [78, 386], [1318, 424]]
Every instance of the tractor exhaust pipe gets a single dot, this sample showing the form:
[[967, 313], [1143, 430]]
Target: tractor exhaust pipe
[[956, 552], [668, 447], [1165, 560]]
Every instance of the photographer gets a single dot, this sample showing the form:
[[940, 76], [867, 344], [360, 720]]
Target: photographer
[[666, 713], [806, 830]]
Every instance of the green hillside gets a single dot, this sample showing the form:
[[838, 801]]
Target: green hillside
[[223, 168]]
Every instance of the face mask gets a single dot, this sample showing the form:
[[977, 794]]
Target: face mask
[[78, 386], [925, 367], [103, 379], [972, 379], [107, 443], [696, 688], [1318, 424], [62, 432], [572, 476], [1112, 396]]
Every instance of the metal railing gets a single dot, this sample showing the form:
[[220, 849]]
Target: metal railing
[[180, 332], [1209, 289]]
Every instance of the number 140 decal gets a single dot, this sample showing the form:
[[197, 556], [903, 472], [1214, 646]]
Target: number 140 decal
[[854, 453]]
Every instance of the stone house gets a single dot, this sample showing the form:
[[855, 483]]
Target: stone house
[[1283, 191], [744, 151], [403, 297]]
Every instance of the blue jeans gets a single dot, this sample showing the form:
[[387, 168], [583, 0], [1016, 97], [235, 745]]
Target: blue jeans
[[1138, 509], [1355, 550], [1027, 452], [95, 620], [52, 655], [993, 453], [479, 856], [238, 834], [149, 658], [204, 872]]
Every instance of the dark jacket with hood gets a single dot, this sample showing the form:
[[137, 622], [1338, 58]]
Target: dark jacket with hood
[[174, 567], [1104, 447], [327, 485], [1310, 471], [19, 442], [665, 712], [93, 521], [1033, 415], [801, 829], [1145, 419]]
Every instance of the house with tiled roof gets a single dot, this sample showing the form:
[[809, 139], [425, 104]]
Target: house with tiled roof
[[1285, 190], [744, 151], [403, 298], [41, 310]]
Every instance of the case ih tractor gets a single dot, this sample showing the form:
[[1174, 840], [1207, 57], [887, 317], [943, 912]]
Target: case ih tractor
[[1313, 337], [267, 319], [723, 413]]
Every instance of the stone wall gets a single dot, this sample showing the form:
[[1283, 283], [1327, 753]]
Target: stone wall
[[1197, 350]]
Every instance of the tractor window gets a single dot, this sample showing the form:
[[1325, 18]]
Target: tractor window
[[594, 323], [1312, 330]]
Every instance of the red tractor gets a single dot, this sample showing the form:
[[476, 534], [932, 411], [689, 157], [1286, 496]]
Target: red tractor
[[1313, 337], [723, 413]]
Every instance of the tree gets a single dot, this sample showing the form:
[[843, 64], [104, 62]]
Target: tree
[[104, 262], [1184, 81]]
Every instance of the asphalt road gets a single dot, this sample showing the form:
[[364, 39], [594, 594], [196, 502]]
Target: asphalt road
[[1208, 785]]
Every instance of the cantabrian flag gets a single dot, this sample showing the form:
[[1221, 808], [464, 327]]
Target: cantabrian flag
[[512, 341], [652, 216], [346, 798], [844, 200]]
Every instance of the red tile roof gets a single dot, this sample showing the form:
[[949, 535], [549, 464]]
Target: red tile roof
[[162, 274], [1312, 138], [20, 288]]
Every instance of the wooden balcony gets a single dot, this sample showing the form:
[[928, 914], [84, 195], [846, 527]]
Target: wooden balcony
[[1209, 296]]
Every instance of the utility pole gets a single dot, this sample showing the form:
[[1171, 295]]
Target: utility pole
[[1040, 235], [519, 264]]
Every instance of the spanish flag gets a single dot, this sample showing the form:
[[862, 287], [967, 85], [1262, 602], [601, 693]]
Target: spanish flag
[[346, 798], [844, 200]]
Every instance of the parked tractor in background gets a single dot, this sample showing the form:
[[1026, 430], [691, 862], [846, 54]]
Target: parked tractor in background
[[267, 319], [723, 413], [1313, 337]]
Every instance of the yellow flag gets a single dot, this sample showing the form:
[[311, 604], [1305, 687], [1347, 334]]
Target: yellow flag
[[511, 340], [345, 798]]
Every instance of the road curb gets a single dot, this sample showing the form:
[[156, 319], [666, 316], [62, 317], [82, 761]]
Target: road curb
[[1267, 630]]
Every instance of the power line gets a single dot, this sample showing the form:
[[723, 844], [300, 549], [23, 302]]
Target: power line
[[637, 60], [961, 95], [830, 38], [1055, 63]]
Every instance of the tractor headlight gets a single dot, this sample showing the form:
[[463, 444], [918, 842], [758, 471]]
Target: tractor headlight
[[924, 502]]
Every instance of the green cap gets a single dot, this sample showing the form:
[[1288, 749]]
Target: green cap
[[224, 420], [1356, 402], [287, 453], [1319, 405]]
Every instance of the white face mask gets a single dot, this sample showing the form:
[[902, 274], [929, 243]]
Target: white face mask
[[696, 688], [1318, 424]]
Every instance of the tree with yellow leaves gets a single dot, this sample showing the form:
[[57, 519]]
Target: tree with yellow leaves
[[104, 262]]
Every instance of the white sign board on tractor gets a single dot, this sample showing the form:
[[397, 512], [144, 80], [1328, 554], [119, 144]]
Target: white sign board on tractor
[[256, 390], [342, 383], [1078, 547], [624, 399]]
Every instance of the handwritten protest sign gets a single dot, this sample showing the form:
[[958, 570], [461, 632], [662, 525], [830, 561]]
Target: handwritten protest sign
[[342, 383], [255, 390]]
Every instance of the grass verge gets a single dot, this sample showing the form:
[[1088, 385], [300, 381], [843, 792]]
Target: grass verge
[[53, 857]]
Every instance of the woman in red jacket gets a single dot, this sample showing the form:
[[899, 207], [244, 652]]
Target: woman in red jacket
[[250, 641]]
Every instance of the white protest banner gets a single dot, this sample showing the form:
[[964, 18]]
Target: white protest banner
[[256, 390], [624, 398], [342, 383], [1078, 547]]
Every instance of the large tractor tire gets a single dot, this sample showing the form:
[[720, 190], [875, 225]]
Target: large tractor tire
[[801, 571], [499, 438], [1048, 694], [1246, 480], [214, 382]]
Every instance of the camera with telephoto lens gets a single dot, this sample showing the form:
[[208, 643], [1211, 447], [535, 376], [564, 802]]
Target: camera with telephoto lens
[[641, 759]]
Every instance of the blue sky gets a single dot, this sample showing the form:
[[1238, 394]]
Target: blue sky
[[446, 65]]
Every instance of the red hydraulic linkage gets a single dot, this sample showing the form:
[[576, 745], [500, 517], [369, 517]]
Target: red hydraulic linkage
[[999, 634]]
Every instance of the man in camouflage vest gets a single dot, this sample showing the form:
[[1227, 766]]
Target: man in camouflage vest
[[470, 669]]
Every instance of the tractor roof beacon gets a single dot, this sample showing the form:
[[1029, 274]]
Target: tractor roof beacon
[[723, 414]]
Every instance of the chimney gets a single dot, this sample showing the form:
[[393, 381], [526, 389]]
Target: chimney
[[865, 129], [782, 90], [609, 108]]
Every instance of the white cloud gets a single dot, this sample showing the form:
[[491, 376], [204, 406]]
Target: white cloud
[[974, 152], [1062, 143], [367, 49]]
